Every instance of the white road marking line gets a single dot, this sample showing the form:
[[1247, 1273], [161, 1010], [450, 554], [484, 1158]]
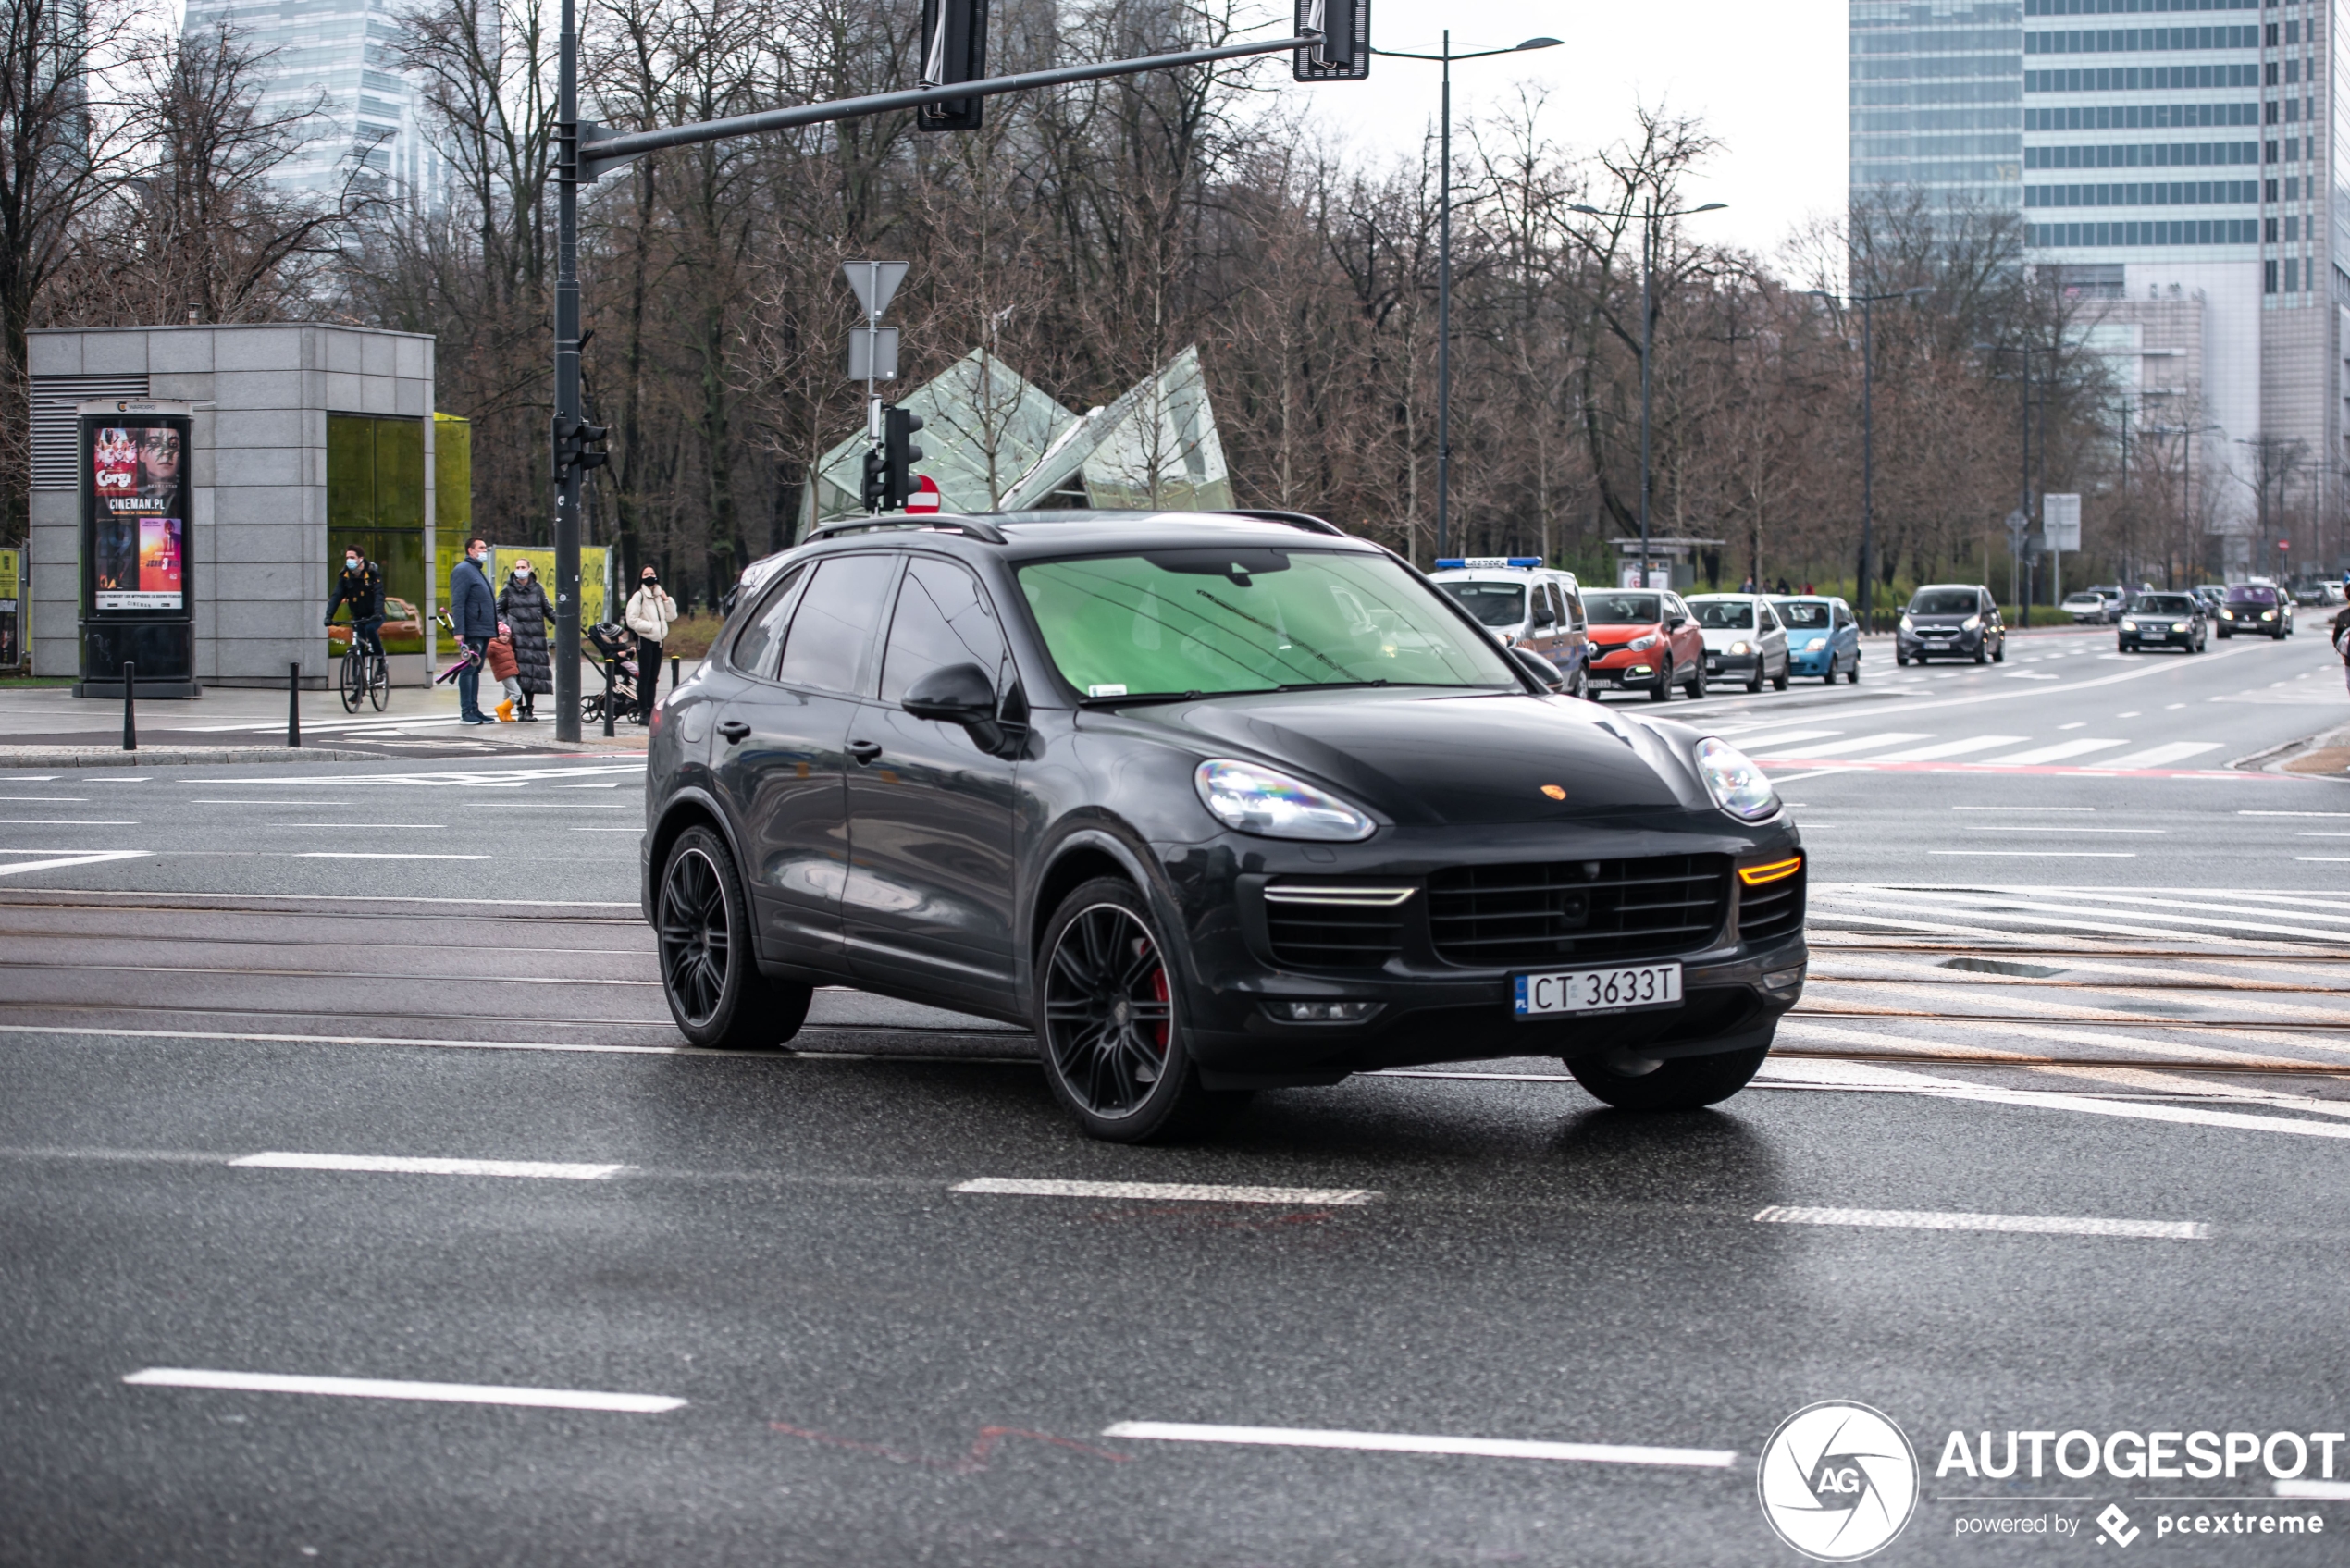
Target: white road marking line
[[2055, 753], [1862, 742], [2325, 860], [1813, 773], [1753, 744], [2039, 854], [363, 854], [281, 805], [2294, 813], [2039, 1225], [388, 1389], [349, 1040], [1399, 1442], [2026, 827], [51, 799], [438, 825], [638, 831], [394, 1165], [2159, 755], [2022, 808], [1177, 1191], [2327, 1491], [61, 862], [1865, 1075], [1951, 748], [65, 822]]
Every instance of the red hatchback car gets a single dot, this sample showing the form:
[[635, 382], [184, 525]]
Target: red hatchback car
[[1643, 639]]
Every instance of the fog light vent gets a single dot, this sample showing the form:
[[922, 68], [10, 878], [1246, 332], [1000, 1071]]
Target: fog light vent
[[1782, 980], [1322, 1012]]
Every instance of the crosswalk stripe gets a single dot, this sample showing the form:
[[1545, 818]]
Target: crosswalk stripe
[[1951, 748], [2159, 755], [1861, 743], [1754, 745], [2055, 753], [1990, 910]]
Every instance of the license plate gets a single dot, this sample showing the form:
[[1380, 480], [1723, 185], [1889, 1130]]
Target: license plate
[[1596, 990]]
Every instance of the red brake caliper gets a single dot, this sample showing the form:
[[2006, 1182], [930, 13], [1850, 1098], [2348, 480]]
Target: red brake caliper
[[1160, 995]]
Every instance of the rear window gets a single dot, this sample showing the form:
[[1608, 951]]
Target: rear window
[[1494, 604], [1946, 601], [1801, 616], [2251, 593], [1722, 615]]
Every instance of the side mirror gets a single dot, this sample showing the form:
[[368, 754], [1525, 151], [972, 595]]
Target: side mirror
[[1540, 668], [1674, 623], [959, 693]]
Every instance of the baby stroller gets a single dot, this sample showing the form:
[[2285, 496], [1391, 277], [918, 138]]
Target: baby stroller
[[613, 644]]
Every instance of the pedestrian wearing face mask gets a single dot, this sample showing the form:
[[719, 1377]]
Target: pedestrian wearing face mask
[[522, 605], [473, 616], [650, 614]]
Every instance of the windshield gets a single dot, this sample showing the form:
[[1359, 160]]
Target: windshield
[[1496, 604], [2165, 604], [2248, 594], [1946, 601], [1722, 615], [1219, 619], [1622, 609], [1802, 616]]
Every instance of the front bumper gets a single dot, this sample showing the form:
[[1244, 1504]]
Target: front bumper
[[1811, 664], [1631, 671], [1433, 1010], [1915, 646], [1730, 663]]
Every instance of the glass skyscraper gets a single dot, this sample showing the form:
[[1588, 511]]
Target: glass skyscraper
[[339, 62], [2179, 173]]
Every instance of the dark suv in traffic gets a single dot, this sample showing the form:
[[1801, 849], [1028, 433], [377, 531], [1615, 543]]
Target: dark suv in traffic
[[1211, 803]]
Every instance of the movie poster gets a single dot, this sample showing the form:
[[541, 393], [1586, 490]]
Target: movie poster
[[140, 549]]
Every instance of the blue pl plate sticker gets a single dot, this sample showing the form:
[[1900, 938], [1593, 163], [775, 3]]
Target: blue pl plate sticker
[[1517, 986]]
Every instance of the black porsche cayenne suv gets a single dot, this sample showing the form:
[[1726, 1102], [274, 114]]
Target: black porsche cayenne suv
[[1212, 802]]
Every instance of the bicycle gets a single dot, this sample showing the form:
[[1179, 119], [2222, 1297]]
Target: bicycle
[[365, 673]]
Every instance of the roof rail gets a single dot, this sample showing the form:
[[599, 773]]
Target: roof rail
[[1311, 523], [971, 527]]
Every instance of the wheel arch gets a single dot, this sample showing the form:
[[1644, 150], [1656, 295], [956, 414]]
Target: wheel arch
[[689, 808]]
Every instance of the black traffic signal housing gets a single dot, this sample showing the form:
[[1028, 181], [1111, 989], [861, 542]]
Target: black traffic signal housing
[[953, 48], [872, 494], [1344, 53], [898, 455], [578, 447]]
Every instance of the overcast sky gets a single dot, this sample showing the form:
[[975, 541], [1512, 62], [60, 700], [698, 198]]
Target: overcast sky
[[1768, 79]]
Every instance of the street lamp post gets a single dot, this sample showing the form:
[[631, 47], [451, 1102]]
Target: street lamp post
[[1648, 222], [1444, 264], [1868, 430]]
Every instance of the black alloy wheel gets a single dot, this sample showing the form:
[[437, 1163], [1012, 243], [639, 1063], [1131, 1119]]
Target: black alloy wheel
[[1681, 1083], [1113, 1044], [1663, 690], [709, 970]]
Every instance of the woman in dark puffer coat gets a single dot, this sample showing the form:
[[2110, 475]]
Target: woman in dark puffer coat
[[522, 605]]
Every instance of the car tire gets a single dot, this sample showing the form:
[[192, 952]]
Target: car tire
[[1110, 1029], [1697, 681], [1681, 1083], [1901, 660], [1982, 653], [1852, 676], [2225, 634], [2000, 654], [1663, 690], [708, 961], [1754, 682], [1778, 682]]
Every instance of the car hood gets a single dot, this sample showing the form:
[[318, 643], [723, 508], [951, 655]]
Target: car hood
[[1918, 620], [1605, 632], [1449, 760]]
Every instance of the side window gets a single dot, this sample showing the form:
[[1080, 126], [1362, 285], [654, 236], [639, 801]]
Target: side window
[[1765, 621], [829, 636], [1573, 609], [1843, 617], [1541, 611], [943, 619], [762, 638]]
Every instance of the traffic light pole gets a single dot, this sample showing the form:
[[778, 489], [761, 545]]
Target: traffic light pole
[[583, 151], [567, 406]]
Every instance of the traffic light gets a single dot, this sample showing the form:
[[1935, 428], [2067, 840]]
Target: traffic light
[[898, 456], [954, 49], [1344, 52], [578, 447], [872, 494]]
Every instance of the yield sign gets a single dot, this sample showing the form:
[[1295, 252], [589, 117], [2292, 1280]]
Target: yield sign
[[925, 497], [875, 282]]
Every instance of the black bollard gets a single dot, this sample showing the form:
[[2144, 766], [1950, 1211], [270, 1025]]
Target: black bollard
[[294, 703], [129, 713], [672, 674], [612, 671]]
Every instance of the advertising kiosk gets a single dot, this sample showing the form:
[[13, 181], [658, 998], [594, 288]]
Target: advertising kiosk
[[138, 584]]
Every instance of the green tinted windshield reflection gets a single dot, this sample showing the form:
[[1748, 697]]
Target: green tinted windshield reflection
[[1218, 620]]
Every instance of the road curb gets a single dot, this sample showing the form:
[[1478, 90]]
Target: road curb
[[173, 755]]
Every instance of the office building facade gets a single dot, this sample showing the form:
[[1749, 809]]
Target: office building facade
[[337, 62], [2178, 162]]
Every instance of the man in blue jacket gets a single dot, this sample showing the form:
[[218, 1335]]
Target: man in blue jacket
[[472, 615]]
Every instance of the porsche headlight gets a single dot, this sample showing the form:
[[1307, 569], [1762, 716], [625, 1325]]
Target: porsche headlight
[[1258, 801], [1736, 784]]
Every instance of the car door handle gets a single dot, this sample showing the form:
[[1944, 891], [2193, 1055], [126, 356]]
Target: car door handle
[[864, 752], [734, 730]]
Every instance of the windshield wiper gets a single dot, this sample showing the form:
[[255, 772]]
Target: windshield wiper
[[1333, 685], [1162, 697]]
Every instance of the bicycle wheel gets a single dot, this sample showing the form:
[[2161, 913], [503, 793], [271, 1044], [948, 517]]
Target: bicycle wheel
[[352, 668], [379, 681]]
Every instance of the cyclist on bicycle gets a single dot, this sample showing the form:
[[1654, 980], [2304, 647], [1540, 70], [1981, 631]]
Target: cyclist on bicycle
[[363, 588]]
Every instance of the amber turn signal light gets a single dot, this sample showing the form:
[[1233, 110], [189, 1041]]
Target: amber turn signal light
[[1775, 870]]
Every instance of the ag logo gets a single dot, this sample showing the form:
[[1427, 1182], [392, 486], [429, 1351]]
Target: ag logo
[[1838, 1481]]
